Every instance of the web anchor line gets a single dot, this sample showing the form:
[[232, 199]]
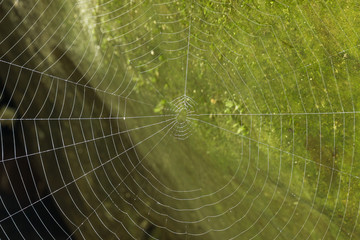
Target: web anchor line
[[187, 59]]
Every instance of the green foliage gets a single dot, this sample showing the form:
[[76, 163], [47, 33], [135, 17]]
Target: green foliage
[[261, 57]]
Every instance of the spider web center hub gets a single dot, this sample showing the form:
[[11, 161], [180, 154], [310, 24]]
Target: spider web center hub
[[183, 106], [182, 116]]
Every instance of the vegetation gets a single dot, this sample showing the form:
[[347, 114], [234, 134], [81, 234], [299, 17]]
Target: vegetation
[[287, 71], [264, 97]]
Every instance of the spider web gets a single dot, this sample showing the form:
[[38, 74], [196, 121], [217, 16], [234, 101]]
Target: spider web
[[179, 120]]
